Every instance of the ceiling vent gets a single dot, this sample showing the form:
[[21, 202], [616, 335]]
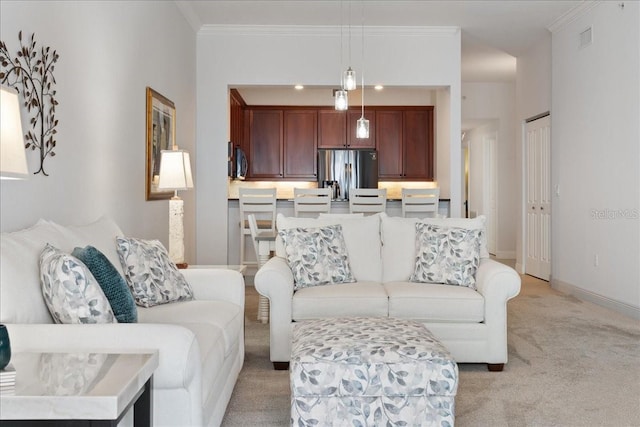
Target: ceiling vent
[[586, 37]]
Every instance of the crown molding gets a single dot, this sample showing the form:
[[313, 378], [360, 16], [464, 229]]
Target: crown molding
[[572, 14], [322, 30], [189, 14]]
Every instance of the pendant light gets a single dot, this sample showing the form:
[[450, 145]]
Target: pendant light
[[362, 125], [341, 96], [342, 100], [349, 78]]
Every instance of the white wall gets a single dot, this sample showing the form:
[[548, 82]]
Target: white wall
[[496, 102], [109, 52], [533, 97], [237, 56], [595, 154], [443, 144]]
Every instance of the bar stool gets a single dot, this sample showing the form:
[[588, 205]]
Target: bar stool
[[420, 202], [367, 200], [311, 200], [262, 203]]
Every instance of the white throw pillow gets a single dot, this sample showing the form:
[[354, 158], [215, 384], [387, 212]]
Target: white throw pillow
[[151, 276], [398, 237], [361, 235], [477, 223], [317, 256], [448, 255], [70, 291]]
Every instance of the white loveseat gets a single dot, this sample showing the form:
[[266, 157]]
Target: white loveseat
[[472, 324], [200, 342]]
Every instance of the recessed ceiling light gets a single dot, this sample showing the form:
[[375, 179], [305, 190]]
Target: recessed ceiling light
[[299, 87], [378, 87]]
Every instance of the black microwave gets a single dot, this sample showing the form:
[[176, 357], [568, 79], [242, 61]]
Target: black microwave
[[238, 163]]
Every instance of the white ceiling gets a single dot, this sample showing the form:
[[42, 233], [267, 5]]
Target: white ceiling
[[493, 32]]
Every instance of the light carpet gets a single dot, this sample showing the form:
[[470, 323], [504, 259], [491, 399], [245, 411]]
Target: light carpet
[[571, 363]]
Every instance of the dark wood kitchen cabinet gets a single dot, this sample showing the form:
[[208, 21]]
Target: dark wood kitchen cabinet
[[337, 129], [418, 144], [300, 144], [389, 139], [266, 143], [332, 127], [405, 143]]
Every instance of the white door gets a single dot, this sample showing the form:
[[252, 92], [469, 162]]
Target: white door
[[538, 198], [490, 186]]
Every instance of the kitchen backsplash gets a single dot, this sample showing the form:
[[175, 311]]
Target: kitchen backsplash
[[285, 188]]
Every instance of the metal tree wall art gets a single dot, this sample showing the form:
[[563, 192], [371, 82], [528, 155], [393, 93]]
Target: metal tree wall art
[[31, 72]]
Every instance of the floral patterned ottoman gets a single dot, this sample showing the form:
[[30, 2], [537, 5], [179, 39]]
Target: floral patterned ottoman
[[367, 371]]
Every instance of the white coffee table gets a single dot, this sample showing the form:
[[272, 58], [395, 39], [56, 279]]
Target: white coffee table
[[95, 389]]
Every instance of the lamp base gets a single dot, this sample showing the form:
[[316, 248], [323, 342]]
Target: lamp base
[[176, 230]]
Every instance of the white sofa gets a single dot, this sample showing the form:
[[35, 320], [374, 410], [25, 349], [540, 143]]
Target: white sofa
[[472, 324], [200, 342]]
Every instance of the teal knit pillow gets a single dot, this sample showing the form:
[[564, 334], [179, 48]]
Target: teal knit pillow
[[112, 283]]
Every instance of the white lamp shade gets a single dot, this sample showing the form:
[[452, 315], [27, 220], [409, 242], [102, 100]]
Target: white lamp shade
[[175, 170], [13, 160]]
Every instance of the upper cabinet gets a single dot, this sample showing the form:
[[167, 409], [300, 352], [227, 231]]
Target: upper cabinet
[[282, 142], [405, 143], [265, 144], [337, 129], [300, 143]]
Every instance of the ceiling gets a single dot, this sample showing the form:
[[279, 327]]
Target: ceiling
[[493, 32]]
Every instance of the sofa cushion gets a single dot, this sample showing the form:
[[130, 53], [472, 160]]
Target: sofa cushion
[[70, 291], [361, 236], [112, 283], [152, 277], [349, 299], [101, 234], [316, 256], [398, 257], [21, 298], [448, 255], [434, 302], [223, 315]]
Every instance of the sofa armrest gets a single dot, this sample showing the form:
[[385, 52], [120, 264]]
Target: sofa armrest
[[497, 281], [274, 280], [216, 284], [178, 351]]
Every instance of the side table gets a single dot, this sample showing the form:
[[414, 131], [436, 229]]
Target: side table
[[80, 389]]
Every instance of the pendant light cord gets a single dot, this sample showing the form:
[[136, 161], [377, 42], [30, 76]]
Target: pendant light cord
[[362, 70]]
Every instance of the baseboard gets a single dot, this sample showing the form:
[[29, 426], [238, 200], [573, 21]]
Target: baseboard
[[620, 307]]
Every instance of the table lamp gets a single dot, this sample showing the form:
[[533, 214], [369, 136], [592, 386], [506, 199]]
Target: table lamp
[[13, 160], [175, 175]]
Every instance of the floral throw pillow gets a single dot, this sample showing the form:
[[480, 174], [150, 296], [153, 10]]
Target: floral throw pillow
[[317, 256], [151, 276], [70, 291], [448, 255]]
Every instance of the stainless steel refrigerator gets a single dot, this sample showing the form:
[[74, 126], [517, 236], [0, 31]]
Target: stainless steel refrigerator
[[346, 169]]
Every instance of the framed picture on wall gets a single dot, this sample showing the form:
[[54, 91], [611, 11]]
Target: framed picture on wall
[[161, 135]]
